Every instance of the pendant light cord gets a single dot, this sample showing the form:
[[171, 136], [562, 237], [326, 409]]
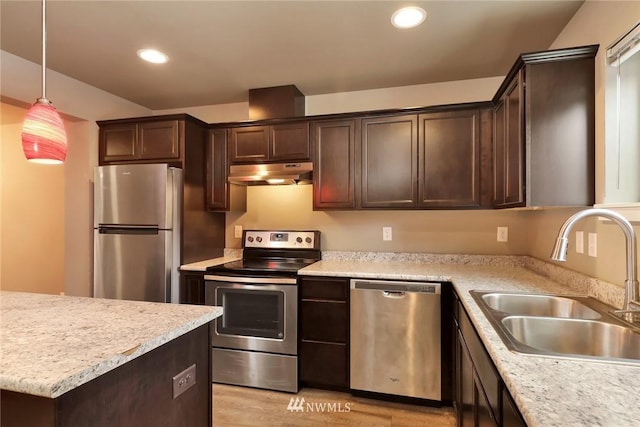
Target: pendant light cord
[[44, 50]]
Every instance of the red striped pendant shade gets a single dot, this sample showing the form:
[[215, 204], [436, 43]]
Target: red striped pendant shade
[[44, 139]]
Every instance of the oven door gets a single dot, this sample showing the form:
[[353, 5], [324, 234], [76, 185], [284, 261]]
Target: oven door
[[259, 313]]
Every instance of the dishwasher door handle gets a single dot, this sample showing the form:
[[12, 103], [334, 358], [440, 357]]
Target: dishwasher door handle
[[394, 294]]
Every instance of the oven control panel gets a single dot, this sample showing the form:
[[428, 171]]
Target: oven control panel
[[281, 239]]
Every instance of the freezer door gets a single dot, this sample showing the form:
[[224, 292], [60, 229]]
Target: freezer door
[[132, 264], [134, 195]]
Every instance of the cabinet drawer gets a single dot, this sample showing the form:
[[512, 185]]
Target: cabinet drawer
[[324, 364], [324, 321], [325, 289], [484, 366]]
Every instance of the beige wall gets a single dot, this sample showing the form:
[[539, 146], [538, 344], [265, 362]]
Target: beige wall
[[596, 22], [82, 156], [476, 90], [291, 207], [32, 219], [60, 258]]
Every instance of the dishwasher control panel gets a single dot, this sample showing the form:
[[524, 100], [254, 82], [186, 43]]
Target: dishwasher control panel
[[395, 286]]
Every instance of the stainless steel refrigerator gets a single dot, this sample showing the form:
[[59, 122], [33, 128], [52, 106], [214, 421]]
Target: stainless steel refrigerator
[[137, 211]]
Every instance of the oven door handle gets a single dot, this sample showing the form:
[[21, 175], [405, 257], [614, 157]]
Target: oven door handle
[[254, 280]]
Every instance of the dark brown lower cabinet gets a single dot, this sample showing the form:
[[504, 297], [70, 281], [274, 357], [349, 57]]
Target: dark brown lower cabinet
[[324, 333], [482, 399], [191, 288], [138, 393]]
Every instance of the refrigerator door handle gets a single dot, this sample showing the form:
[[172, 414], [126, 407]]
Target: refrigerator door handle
[[128, 229]]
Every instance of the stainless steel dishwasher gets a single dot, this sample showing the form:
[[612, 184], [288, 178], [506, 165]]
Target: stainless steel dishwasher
[[395, 338]]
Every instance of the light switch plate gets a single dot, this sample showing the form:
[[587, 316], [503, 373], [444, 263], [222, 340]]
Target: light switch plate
[[593, 245], [387, 233], [237, 232], [503, 234], [579, 242]]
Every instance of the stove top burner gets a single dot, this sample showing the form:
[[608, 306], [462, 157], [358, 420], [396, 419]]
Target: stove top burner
[[274, 252], [265, 265]]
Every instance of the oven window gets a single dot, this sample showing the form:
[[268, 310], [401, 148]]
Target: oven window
[[251, 313]]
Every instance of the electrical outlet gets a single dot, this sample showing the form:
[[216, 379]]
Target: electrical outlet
[[593, 245], [184, 381], [386, 233], [237, 232], [503, 234], [579, 242]]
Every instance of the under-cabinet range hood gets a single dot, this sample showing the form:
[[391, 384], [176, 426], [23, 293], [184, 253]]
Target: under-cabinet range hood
[[271, 173]]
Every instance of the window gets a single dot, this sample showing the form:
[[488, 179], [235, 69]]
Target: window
[[622, 115]]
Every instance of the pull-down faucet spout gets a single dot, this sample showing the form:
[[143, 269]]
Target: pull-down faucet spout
[[631, 283]]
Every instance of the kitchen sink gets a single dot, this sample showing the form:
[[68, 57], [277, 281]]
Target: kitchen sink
[[563, 326], [578, 337], [540, 305]]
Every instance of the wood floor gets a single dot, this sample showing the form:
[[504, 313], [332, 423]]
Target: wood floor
[[242, 406]]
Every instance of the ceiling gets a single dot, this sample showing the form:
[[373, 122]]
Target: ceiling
[[220, 49]]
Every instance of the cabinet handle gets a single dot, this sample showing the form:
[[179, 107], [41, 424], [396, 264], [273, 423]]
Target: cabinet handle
[[393, 294]]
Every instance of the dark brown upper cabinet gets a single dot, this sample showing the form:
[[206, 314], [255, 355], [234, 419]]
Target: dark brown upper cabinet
[[334, 142], [143, 142], [270, 143], [389, 162], [222, 195], [449, 153], [181, 141], [544, 140]]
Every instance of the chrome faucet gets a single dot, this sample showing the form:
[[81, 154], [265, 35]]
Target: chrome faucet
[[631, 302]]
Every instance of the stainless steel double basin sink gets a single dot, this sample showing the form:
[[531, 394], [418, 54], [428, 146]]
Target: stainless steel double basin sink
[[573, 327]]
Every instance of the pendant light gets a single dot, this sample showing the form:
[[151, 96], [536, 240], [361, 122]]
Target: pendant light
[[44, 139]]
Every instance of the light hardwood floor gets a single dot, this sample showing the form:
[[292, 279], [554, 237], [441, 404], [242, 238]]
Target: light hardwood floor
[[242, 406]]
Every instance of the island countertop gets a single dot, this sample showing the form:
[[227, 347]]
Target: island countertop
[[550, 392], [50, 344]]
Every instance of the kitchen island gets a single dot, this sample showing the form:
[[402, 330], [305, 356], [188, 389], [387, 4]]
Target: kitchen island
[[73, 361], [549, 392]]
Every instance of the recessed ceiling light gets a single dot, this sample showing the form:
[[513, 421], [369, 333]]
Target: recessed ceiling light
[[152, 55], [408, 17]]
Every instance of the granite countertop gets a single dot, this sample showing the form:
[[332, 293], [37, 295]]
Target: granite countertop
[[548, 391], [203, 265], [50, 344]]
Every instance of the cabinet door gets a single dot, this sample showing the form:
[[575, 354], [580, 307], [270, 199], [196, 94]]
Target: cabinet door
[[389, 162], [449, 167], [510, 414], [217, 171], [514, 145], [484, 416], [465, 388], [118, 143], [159, 140], [249, 144], [290, 142], [499, 151], [334, 166], [192, 288]]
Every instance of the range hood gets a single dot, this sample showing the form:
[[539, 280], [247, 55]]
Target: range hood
[[271, 173]]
